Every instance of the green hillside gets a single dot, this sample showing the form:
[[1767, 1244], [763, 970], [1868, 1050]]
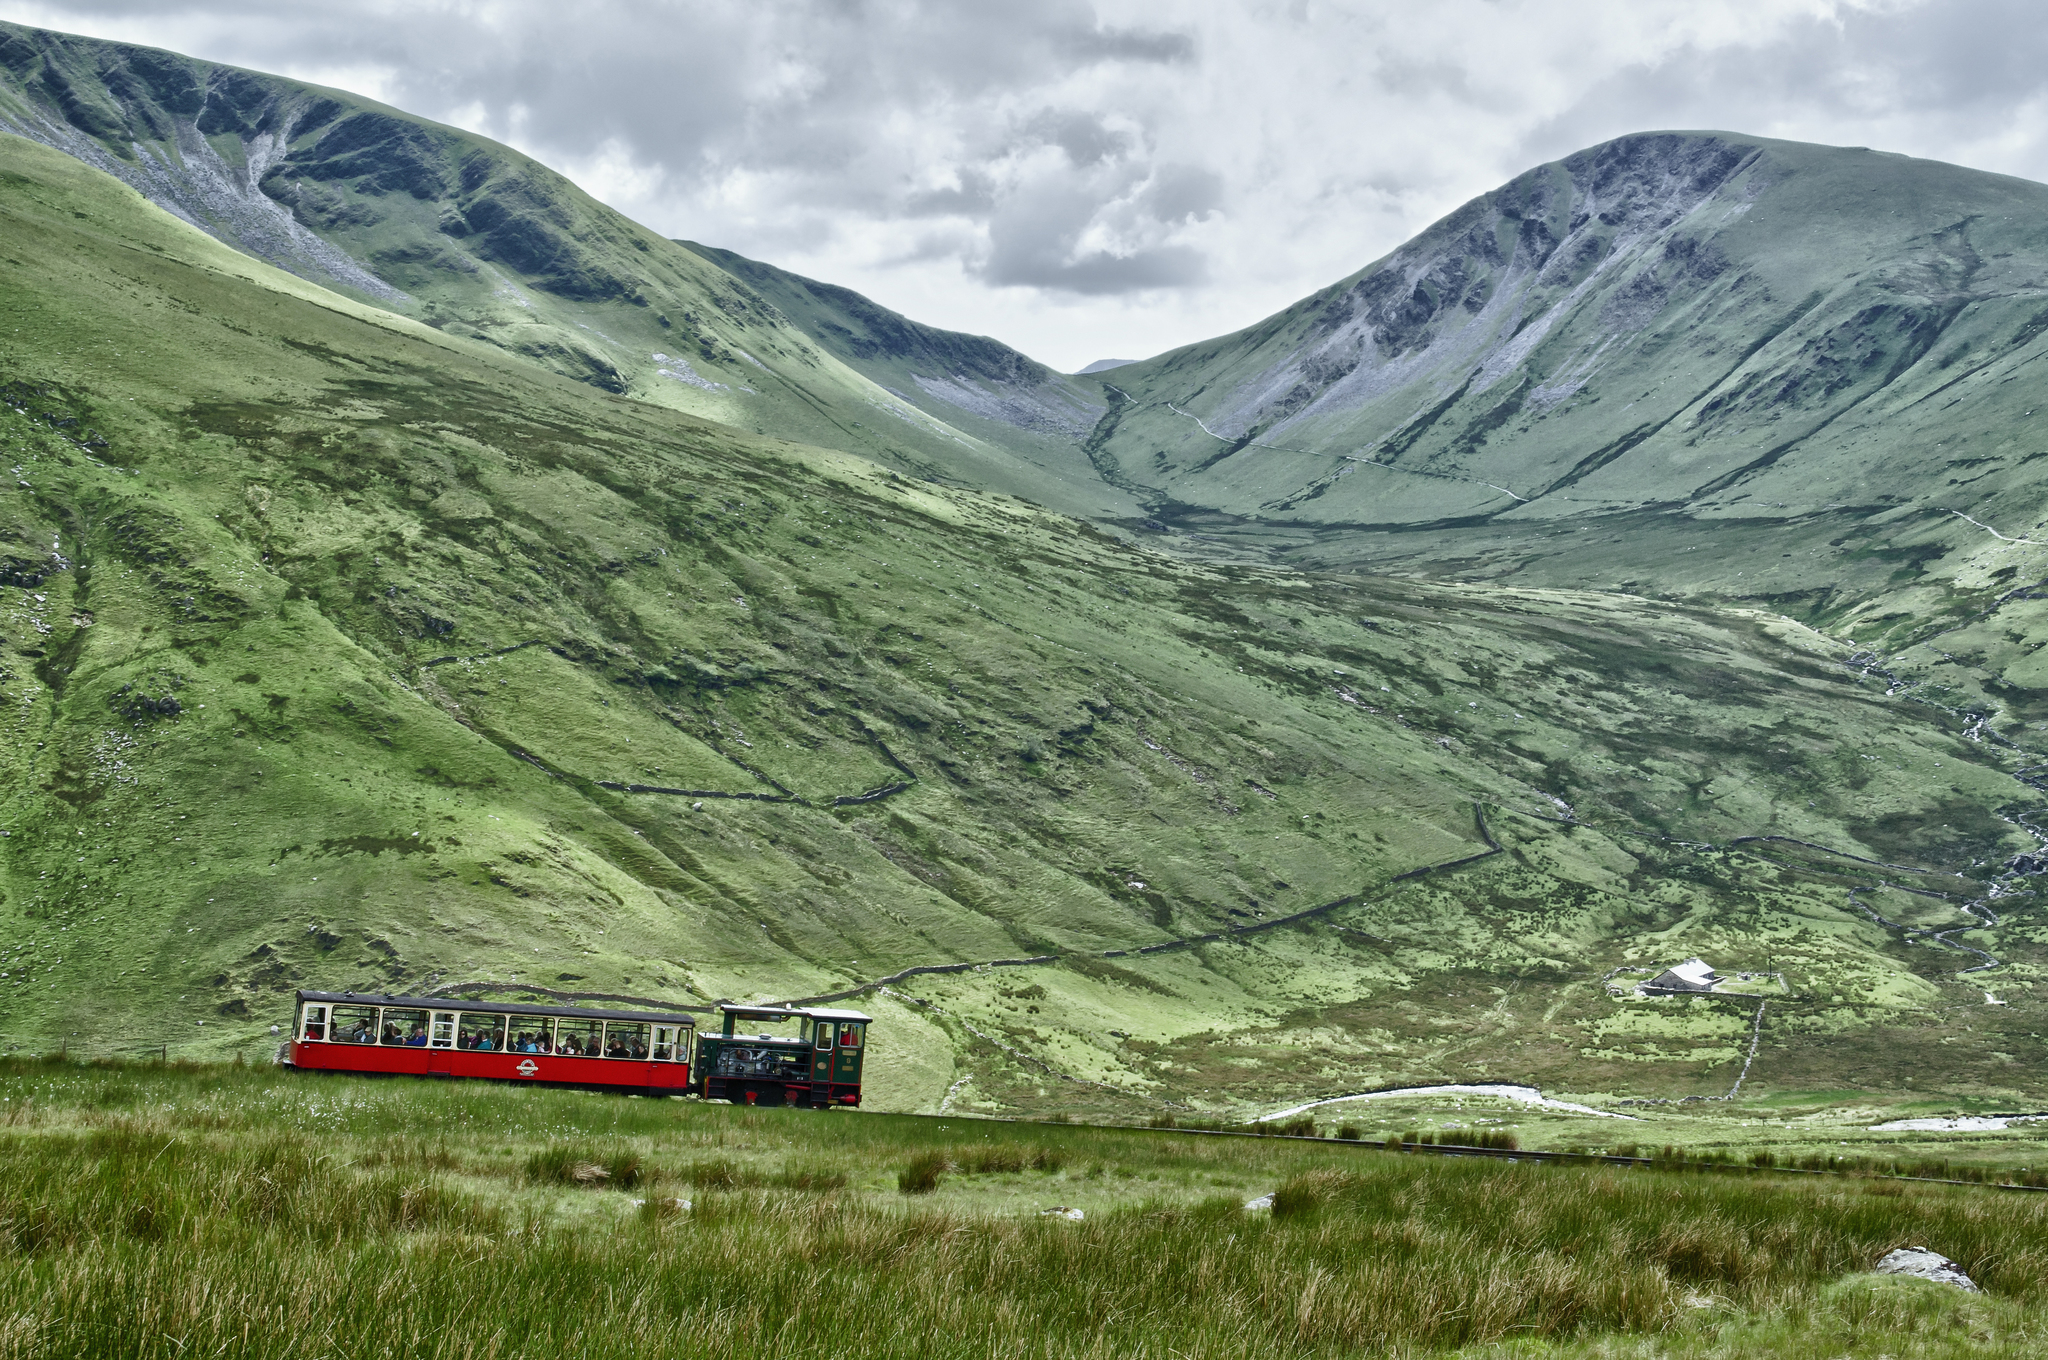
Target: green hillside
[[476, 240], [1806, 356], [970, 381], [345, 651]]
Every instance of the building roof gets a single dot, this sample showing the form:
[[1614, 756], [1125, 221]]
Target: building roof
[[1696, 971]]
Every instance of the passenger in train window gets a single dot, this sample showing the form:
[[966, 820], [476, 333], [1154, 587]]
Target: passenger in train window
[[625, 1039], [417, 1039], [355, 1024], [479, 1033], [578, 1038]]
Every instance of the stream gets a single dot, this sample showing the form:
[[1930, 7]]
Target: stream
[[1527, 1095]]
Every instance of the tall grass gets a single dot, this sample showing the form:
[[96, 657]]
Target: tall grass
[[254, 1250], [175, 1227], [563, 1164]]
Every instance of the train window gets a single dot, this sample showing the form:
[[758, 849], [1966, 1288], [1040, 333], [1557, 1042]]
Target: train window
[[578, 1038], [314, 1027], [625, 1039], [530, 1034], [441, 1034], [824, 1034], [404, 1027], [666, 1044], [849, 1035], [483, 1033], [354, 1024]]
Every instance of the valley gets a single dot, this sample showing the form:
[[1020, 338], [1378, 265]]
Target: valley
[[415, 576]]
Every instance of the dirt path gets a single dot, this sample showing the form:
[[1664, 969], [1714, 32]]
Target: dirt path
[[1167, 946]]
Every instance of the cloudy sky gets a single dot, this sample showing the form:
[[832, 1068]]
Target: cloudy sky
[[1112, 178]]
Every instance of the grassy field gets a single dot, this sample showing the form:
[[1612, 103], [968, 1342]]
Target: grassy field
[[154, 1211]]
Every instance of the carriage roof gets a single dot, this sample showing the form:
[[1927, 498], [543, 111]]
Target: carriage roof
[[792, 1013], [450, 1003]]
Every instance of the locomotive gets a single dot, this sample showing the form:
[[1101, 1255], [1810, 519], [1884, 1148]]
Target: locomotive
[[818, 1066]]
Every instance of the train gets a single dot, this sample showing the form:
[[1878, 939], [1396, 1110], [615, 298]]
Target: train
[[636, 1052]]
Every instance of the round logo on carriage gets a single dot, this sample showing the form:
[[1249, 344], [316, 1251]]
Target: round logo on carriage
[[528, 1068]]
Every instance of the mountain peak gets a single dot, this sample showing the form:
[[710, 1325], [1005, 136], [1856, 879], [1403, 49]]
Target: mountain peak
[[1688, 323]]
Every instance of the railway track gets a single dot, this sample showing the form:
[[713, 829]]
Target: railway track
[[1593, 1159]]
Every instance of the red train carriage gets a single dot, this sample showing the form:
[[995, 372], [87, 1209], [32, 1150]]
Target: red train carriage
[[819, 1066], [436, 1037]]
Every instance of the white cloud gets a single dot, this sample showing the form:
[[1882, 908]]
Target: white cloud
[[1114, 178]]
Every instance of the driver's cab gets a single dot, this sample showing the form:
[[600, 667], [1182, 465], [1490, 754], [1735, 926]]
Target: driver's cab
[[783, 1055]]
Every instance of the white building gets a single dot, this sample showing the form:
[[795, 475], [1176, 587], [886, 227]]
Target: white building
[[1694, 975]]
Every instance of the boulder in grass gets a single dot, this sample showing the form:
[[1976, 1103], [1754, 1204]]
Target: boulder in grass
[[1922, 1264]]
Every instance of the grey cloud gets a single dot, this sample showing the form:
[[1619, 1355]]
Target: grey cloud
[[1037, 240], [1951, 70], [1085, 138], [974, 196], [1182, 193], [1100, 272], [1399, 76], [1130, 44]]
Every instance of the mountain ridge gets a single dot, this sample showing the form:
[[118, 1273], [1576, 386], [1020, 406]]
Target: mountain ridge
[[1605, 337], [471, 237]]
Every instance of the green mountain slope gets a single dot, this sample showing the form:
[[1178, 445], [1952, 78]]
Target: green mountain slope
[[1689, 365], [341, 650], [1797, 354], [476, 240], [969, 381]]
